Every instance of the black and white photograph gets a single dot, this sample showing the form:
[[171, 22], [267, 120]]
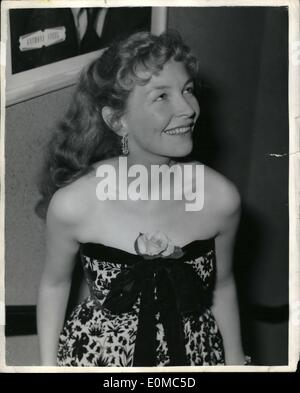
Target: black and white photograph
[[149, 163]]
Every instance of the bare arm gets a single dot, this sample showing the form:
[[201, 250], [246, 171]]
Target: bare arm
[[225, 306], [55, 284]]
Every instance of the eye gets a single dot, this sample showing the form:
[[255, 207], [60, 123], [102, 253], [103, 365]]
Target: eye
[[162, 97], [189, 90]]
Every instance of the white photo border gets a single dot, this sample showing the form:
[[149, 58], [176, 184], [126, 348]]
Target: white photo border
[[294, 188]]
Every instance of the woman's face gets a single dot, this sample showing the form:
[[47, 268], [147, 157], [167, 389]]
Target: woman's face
[[160, 116]]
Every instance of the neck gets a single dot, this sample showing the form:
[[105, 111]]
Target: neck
[[148, 160], [152, 174]]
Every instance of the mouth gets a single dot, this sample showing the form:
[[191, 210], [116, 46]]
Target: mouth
[[179, 130]]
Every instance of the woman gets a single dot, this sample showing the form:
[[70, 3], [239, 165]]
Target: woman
[[159, 274]]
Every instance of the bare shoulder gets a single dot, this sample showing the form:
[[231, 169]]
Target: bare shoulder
[[221, 193], [71, 203]]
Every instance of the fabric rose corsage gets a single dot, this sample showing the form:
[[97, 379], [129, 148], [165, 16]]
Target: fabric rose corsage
[[156, 245]]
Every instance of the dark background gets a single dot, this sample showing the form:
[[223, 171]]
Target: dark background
[[244, 121]]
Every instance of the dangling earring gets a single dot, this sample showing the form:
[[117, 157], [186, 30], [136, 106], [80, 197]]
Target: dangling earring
[[125, 150]]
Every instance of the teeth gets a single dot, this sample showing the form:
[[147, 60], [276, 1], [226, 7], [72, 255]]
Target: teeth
[[180, 130]]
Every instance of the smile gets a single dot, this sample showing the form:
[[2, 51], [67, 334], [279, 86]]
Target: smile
[[178, 131]]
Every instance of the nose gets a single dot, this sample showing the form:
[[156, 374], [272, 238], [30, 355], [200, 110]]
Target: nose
[[186, 109]]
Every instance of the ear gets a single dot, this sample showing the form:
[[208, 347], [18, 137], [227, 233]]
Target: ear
[[109, 116]]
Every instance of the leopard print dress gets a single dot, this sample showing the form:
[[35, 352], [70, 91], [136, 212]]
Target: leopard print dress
[[98, 335]]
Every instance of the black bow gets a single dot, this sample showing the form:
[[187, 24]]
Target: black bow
[[179, 292]]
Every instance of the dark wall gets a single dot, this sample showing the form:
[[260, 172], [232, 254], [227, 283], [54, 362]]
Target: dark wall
[[243, 133]]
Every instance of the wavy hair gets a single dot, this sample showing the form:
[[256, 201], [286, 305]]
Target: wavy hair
[[83, 138]]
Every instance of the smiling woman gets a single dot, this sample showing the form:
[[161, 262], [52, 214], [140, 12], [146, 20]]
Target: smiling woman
[[175, 306], [161, 115]]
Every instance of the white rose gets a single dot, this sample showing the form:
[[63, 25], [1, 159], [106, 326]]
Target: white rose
[[154, 244]]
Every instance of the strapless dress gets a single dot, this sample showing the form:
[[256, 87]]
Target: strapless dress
[[144, 312]]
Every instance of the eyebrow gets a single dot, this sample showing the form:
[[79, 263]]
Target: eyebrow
[[162, 87]]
